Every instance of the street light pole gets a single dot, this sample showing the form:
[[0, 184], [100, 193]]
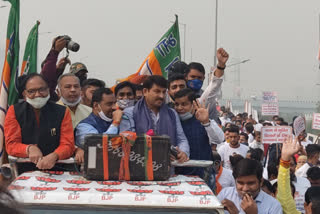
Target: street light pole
[[238, 72], [319, 43], [215, 43], [216, 37], [184, 41]]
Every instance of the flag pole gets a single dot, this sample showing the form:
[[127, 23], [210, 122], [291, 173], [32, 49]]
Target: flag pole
[[215, 43], [38, 22]]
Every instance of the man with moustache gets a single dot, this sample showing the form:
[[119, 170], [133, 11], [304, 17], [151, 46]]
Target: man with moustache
[[104, 119], [151, 115]]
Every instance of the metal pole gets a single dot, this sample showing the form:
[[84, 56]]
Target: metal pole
[[319, 56], [215, 43], [216, 36], [184, 42]]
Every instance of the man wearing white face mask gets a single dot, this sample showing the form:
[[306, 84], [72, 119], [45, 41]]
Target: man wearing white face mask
[[37, 128], [200, 131], [69, 91], [105, 118], [125, 94]]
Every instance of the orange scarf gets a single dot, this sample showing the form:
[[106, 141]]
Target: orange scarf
[[218, 185]]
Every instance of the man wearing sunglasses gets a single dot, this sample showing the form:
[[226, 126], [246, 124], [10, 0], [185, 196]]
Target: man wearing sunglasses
[[37, 128]]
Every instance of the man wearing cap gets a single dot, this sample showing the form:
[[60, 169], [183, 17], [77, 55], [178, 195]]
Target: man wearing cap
[[80, 70]]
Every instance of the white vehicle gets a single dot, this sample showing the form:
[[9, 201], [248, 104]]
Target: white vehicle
[[70, 193]]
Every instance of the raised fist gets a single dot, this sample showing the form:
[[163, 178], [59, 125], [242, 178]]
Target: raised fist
[[222, 57]]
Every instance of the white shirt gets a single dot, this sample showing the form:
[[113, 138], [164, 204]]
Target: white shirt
[[221, 144], [214, 133], [265, 173], [301, 185], [302, 171], [250, 139], [226, 178], [258, 127], [82, 112], [305, 143], [210, 94], [265, 203], [256, 145], [226, 151], [212, 91], [224, 121]]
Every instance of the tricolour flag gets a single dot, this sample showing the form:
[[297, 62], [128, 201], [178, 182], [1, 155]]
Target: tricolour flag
[[8, 89], [163, 55], [29, 64]]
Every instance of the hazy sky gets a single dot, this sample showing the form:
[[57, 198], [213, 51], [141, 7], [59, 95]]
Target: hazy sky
[[281, 38]]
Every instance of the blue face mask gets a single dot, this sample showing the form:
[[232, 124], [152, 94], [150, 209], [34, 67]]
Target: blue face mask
[[195, 84], [185, 116]]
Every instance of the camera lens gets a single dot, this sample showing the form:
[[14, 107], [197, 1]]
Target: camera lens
[[73, 46]]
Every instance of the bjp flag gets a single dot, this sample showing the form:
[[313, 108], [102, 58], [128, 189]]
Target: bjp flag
[[10, 72], [165, 53]]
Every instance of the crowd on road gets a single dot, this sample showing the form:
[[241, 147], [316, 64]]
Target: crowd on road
[[57, 109]]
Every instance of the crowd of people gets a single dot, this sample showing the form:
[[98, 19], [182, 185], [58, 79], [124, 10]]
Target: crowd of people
[[289, 179], [57, 109]]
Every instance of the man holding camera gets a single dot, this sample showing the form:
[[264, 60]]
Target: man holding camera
[[51, 70]]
